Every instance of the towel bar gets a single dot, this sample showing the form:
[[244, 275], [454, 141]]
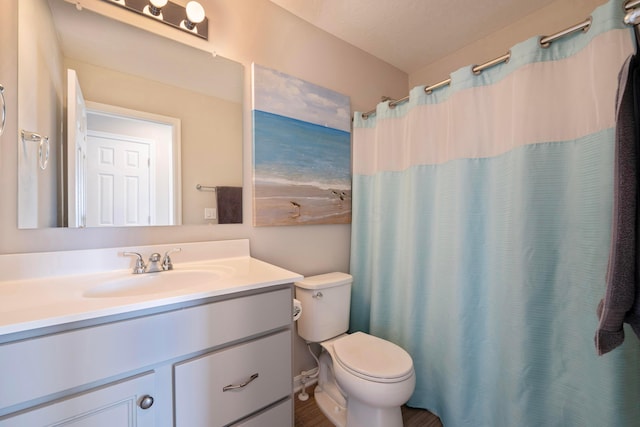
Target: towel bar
[[205, 187]]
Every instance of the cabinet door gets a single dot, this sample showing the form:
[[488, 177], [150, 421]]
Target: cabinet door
[[227, 385], [113, 405]]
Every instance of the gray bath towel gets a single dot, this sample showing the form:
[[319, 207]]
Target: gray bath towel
[[622, 297]]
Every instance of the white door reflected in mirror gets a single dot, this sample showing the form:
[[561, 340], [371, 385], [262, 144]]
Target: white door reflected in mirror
[[119, 180]]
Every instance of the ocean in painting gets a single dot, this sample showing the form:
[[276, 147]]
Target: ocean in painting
[[302, 172]]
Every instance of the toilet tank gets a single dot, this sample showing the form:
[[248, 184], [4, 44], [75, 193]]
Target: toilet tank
[[326, 301]]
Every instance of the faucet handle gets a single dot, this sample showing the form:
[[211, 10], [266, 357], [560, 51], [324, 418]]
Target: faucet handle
[[140, 267], [166, 261]]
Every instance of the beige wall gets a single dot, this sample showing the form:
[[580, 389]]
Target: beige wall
[[555, 17]]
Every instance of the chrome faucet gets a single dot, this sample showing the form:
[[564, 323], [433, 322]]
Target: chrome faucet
[[154, 265]]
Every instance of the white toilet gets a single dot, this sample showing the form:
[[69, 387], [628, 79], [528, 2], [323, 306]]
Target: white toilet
[[363, 380]]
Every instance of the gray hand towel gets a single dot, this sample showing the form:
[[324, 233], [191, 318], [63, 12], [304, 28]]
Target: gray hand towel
[[229, 205]]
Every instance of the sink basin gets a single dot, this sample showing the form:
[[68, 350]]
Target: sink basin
[[152, 283]]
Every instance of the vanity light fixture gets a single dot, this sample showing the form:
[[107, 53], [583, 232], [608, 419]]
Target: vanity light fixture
[[190, 18]]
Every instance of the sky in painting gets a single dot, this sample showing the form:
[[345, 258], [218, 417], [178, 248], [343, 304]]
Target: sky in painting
[[284, 95]]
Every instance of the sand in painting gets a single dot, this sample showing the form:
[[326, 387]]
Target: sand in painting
[[287, 204]]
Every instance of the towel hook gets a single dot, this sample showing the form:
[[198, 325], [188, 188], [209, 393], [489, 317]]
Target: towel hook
[[43, 146]]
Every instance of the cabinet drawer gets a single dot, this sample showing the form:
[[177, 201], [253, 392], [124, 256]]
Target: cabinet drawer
[[216, 389], [280, 415]]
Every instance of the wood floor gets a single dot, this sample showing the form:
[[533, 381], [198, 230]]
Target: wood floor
[[309, 415]]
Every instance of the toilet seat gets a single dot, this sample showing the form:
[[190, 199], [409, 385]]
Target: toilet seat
[[372, 358]]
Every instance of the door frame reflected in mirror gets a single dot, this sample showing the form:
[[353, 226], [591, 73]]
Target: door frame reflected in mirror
[[122, 125]]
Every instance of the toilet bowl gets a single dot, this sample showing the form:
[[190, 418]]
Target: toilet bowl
[[363, 380]]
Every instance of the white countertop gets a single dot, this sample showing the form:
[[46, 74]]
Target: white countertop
[[43, 299]]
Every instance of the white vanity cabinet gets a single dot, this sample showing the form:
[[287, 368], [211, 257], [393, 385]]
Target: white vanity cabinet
[[184, 358]]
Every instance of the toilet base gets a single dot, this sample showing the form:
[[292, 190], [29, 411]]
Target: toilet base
[[336, 413], [360, 414]]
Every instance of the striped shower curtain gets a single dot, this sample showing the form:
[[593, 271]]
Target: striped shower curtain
[[480, 236]]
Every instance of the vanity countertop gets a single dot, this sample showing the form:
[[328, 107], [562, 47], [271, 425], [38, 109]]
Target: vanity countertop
[[33, 296]]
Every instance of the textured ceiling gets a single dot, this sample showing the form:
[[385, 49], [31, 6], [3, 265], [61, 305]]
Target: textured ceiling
[[410, 34]]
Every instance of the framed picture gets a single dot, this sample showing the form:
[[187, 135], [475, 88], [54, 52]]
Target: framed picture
[[301, 151]]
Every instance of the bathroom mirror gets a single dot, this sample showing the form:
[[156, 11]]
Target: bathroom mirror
[[89, 88]]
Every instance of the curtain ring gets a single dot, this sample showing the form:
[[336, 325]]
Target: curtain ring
[[44, 159]]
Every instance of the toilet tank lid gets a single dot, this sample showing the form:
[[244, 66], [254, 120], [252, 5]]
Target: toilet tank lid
[[327, 280]]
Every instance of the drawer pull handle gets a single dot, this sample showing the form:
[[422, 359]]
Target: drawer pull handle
[[239, 386], [146, 402]]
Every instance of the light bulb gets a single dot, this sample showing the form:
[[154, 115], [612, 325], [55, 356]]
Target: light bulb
[[195, 13], [154, 8]]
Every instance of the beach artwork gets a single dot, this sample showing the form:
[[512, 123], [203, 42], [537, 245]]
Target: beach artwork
[[301, 152]]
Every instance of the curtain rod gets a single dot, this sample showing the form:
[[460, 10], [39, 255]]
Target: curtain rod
[[632, 18], [631, 4]]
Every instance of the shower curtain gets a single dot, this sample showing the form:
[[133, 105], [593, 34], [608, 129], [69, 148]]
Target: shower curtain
[[480, 236]]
